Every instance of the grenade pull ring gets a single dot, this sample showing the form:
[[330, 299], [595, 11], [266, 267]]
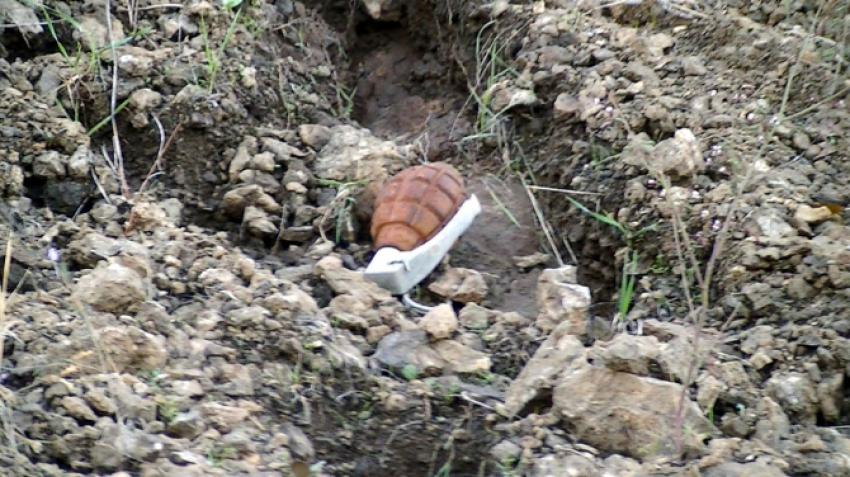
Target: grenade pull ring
[[419, 215]]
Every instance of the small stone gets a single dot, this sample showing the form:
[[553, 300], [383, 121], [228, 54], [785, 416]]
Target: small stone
[[145, 99], [78, 409], [136, 61], [628, 353], [560, 299], [111, 287], [80, 163], [531, 261], [188, 388], [100, 401], [403, 348], [542, 372], [263, 161], [296, 187], [187, 425], [460, 358], [760, 359], [680, 156], [223, 417], [396, 402], [130, 348], [812, 215], [248, 77], [566, 105], [796, 393], [475, 317], [460, 284], [50, 165], [505, 451], [801, 141], [440, 322], [693, 66], [314, 135], [375, 333], [342, 280]]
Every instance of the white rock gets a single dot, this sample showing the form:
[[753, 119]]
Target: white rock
[[440, 322]]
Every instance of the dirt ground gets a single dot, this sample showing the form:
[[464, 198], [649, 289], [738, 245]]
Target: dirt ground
[[657, 284]]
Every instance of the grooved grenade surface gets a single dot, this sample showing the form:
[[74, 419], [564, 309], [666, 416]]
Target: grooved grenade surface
[[415, 204]]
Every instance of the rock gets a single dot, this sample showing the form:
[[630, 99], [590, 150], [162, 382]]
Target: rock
[[505, 451], [22, 16], [235, 201], [342, 280], [555, 356], [129, 348], [314, 135], [188, 425], [353, 154], [561, 299], [147, 216], [118, 443], [627, 414], [531, 261], [403, 348], [504, 96], [112, 288], [383, 10], [771, 224], [101, 403], [709, 390], [566, 106], [627, 353], [50, 164], [693, 66], [750, 469], [241, 158], [136, 61], [568, 465], [188, 388], [476, 317], [79, 164], [678, 157], [130, 404], [258, 223], [812, 215], [796, 393], [375, 333], [93, 34], [801, 141], [830, 397], [460, 284], [264, 161], [145, 99], [440, 322], [299, 443], [78, 409], [459, 358], [90, 248], [224, 418], [282, 151]]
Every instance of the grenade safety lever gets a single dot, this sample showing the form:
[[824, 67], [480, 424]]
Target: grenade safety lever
[[398, 271]]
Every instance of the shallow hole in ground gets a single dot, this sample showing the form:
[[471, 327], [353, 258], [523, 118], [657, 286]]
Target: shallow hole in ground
[[404, 83]]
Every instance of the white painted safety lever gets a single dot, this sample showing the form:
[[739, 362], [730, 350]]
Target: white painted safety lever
[[399, 271]]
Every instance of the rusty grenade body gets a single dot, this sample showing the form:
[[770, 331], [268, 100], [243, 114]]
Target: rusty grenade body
[[415, 204]]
